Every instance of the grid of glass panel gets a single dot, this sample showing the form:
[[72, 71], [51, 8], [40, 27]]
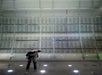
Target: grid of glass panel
[[59, 26], [52, 26]]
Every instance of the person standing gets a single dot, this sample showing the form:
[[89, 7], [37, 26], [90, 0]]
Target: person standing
[[32, 57]]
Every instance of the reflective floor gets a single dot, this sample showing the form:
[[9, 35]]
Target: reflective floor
[[52, 68]]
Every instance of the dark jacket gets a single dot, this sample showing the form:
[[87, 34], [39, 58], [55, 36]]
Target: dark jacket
[[32, 55]]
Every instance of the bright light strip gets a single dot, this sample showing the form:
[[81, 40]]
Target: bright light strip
[[70, 65], [21, 65], [76, 71], [42, 71], [9, 70], [45, 65]]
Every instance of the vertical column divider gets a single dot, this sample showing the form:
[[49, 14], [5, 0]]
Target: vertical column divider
[[93, 32], [53, 30], [81, 43], [1, 22], [40, 8], [13, 39]]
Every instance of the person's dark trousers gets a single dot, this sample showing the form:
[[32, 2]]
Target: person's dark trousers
[[35, 64], [28, 64]]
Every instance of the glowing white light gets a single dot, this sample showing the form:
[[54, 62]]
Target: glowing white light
[[10, 71], [70, 65], [87, 55], [76, 71], [45, 65], [21, 65], [42, 71]]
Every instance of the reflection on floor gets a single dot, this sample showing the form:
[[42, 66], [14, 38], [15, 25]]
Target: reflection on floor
[[52, 68]]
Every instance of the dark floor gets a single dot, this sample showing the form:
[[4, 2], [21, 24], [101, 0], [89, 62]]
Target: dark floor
[[53, 68]]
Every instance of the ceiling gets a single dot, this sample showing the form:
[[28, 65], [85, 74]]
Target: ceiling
[[48, 4], [74, 6]]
